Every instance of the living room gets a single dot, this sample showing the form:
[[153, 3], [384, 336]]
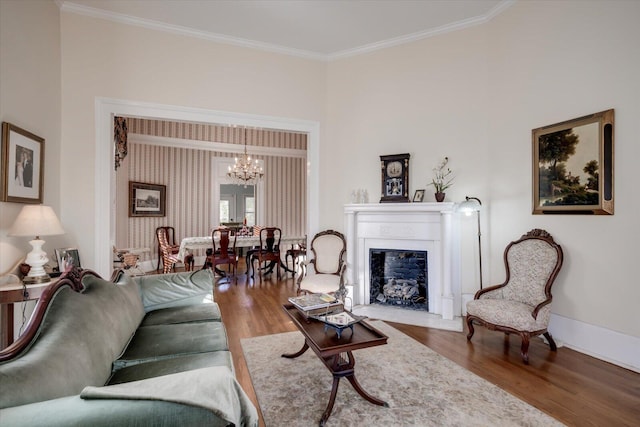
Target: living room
[[473, 95]]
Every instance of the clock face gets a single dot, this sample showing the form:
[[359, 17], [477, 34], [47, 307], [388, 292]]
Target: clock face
[[394, 169]]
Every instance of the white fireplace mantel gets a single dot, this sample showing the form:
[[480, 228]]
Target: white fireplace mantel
[[431, 227]]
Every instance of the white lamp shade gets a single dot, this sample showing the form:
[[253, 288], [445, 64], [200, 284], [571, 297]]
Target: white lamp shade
[[469, 206], [36, 220]]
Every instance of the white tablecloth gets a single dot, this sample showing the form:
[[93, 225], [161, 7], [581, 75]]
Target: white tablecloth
[[189, 243]]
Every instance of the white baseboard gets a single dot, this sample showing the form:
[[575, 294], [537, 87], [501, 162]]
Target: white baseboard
[[596, 341]]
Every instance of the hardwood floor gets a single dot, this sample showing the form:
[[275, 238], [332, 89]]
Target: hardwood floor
[[576, 389]]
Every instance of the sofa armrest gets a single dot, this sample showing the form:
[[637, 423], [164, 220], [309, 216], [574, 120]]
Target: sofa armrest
[[174, 290]]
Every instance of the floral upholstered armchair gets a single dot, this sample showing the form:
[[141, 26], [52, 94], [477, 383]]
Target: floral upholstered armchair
[[522, 304]]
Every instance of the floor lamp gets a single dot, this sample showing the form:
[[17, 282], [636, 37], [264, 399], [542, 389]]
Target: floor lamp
[[469, 206]]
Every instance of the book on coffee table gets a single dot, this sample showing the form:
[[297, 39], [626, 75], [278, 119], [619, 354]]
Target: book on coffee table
[[313, 301]]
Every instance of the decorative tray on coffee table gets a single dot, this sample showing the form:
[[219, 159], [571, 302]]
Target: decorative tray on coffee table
[[338, 321]]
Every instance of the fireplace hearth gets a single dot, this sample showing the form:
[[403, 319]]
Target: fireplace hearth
[[399, 278]]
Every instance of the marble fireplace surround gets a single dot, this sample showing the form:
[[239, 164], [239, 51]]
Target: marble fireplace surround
[[410, 226]]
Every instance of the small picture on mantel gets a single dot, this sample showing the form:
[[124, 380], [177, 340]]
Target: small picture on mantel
[[418, 196]]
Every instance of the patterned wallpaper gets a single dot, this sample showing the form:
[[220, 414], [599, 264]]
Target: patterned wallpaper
[[187, 174]]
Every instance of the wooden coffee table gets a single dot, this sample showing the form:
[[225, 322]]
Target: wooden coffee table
[[336, 354]]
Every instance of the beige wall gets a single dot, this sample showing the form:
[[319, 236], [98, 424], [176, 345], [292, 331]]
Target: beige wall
[[30, 99], [105, 59], [475, 95]]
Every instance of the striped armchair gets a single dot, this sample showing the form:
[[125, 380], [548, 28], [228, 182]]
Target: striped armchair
[[169, 252], [522, 304]]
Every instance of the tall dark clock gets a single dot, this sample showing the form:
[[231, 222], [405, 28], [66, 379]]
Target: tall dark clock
[[395, 178]]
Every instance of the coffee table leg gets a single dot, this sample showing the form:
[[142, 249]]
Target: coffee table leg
[[304, 348], [332, 400], [356, 385]]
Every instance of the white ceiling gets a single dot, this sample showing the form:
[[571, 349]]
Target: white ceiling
[[318, 29]]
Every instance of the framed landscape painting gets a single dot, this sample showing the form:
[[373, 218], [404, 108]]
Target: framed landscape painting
[[147, 199], [573, 166], [22, 166]]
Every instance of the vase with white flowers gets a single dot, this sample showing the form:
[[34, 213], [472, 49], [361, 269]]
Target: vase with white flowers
[[442, 179]]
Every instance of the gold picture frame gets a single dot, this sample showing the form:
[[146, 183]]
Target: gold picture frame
[[573, 166]]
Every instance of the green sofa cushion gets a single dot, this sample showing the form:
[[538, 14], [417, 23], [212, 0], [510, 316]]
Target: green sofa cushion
[[80, 336], [185, 314], [76, 412], [177, 289], [163, 341], [173, 365]]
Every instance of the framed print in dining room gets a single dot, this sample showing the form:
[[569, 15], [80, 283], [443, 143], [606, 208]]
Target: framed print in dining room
[[22, 165], [395, 178], [573, 166], [147, 199], [418, 196]]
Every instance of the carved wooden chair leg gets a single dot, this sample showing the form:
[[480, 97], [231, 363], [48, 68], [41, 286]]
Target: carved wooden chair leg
[[552, 343], [471, 330], [524, 349]]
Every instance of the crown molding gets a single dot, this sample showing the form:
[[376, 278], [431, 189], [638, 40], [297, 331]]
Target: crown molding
[[66, 6], [420, 35]]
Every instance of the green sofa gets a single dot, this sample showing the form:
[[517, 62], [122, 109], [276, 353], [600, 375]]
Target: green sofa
[[143, 351]]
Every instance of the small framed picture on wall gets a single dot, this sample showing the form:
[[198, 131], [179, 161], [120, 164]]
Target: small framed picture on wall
[[147, 199], [22, 167]]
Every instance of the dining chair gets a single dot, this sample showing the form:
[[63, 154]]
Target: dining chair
[[269, 251], [224, 250], [167, 251], [170, 238]]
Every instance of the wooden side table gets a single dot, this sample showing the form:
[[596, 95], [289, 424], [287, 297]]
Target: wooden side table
[[10, 293]]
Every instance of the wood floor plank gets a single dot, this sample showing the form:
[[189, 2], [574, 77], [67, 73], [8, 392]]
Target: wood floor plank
[[572, 387]]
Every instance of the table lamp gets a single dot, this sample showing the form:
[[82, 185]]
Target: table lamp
[[468, 207], [36, 220]]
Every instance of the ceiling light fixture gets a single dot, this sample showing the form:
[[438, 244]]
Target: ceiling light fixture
[[244, 171]]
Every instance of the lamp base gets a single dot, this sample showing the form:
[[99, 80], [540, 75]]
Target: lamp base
[[36, 259], [34, 280]]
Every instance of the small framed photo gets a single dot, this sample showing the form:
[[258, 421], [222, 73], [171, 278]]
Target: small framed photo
[[395, 178], [147, 199], [573, 166], [67, 258], [418, 196], [22, 166]]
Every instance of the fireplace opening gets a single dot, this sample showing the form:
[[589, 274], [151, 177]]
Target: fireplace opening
[[399, 278]]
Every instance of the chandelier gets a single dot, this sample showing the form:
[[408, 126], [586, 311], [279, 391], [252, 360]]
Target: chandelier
[[244, 171]]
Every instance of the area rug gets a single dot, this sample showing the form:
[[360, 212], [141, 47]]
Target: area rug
[[421, 387]]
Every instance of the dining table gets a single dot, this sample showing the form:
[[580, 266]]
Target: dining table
[[188, 244]]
